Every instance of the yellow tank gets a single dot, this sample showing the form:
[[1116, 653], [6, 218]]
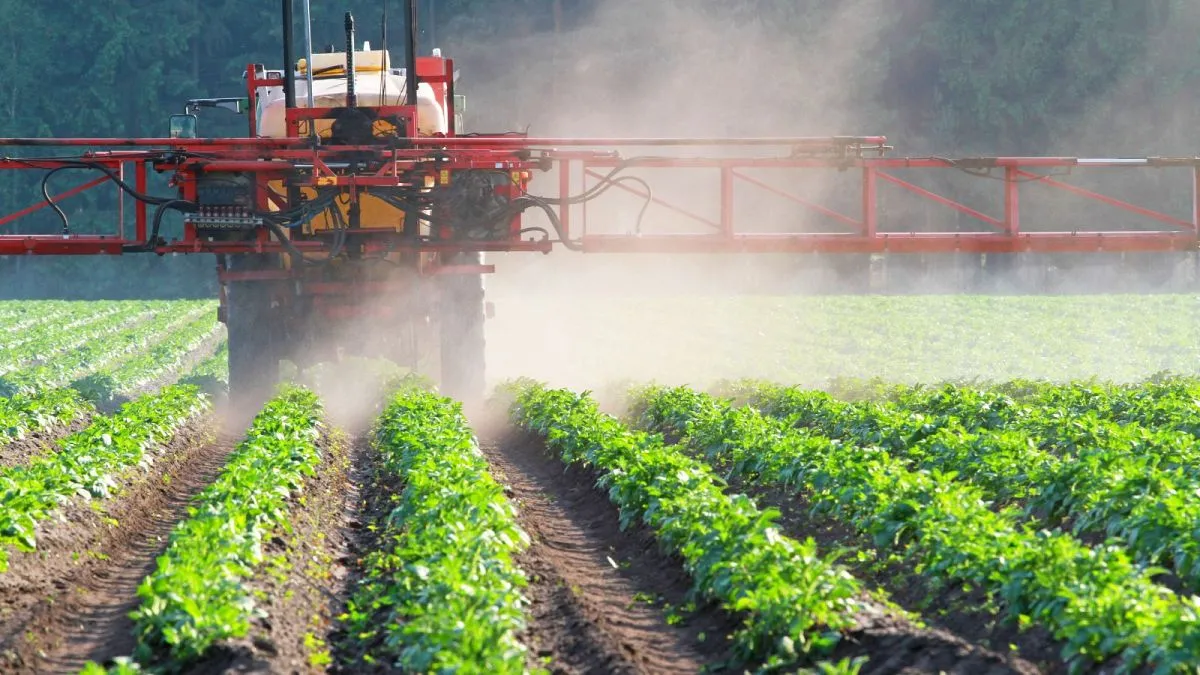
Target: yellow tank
[[376, 84]]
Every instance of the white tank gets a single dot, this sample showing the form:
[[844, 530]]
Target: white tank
[[372, 88]]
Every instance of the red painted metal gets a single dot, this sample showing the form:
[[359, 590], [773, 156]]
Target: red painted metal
[[441, 270], [727, 201], [870, 197], [1012, 200], [140, 218], [121, 203], [425, 159], [1133, 208], [914, 242], [505, 142], [57, 198], [564, 188], [841, 217], [49, 244]]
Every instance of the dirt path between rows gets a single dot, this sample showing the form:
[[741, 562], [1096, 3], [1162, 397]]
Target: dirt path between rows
[[39, 442], [597, 593], [70, 602], [300, 586], [960, 638]]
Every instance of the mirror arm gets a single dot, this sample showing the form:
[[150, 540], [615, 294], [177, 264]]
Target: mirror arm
[[234, 104]]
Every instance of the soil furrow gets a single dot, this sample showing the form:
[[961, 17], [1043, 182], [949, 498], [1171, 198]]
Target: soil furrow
[[599, 596], [367, 503], [39, 442], [300, 584], [69, 602], [193, 358], [962, 636]]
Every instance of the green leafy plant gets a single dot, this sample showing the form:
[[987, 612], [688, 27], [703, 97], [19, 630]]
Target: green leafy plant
[[795, 603], [1096, 600], [197, 596], [90, 463], [442, 593]]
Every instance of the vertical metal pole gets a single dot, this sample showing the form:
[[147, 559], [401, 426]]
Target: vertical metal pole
[[139, 184], [564, 191], [433, 23], [727, 201], [451, 122], [308, 52], [121, 202], [410, 55], [1012, 205], [289, 58], [351, 93], [870, 202]]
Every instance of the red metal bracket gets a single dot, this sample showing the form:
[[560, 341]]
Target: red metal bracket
[[442, 270]]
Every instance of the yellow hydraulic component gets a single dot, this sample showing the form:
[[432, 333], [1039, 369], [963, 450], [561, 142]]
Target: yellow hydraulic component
[[374, 213]]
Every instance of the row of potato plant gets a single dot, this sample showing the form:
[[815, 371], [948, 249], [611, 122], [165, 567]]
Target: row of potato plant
[[1138, 485], [68, 330], [18, 315], [25, 414], [98, 355], [91, 462], [1164, 401], [441, 591], [149, 364], [197, 594], [212, 373], [1096, 600], [794, 602]]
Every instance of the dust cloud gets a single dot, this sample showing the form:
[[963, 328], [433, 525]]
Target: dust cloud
[[637, 68], [661, 69], [674, 68]]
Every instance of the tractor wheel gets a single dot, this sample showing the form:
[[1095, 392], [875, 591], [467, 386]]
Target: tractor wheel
[[461, 337], [251, 325]]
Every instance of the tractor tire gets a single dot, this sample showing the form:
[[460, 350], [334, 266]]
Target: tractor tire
[[251, 325], [461, 341]]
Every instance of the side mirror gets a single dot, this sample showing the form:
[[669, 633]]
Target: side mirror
[[183, 126]]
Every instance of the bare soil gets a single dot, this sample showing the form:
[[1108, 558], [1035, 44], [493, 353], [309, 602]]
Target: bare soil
[[367, 505], [38, 443], [300, 587], [892, 643], [69, 602], [955, 614], [599, 596]]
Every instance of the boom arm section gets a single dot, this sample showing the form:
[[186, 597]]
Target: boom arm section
[[468, 194]]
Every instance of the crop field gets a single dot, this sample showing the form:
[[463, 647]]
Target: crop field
[[806, 340], [911, 520]]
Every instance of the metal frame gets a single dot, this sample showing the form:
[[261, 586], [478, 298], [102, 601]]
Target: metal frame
[[861, 232], [576, 164]]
